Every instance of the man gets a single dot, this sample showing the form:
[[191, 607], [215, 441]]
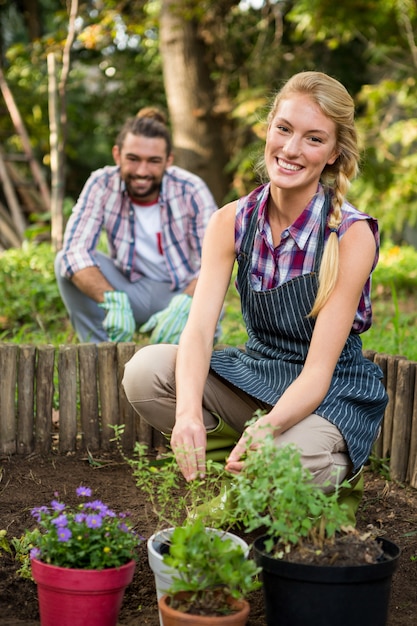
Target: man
[[154, 215]]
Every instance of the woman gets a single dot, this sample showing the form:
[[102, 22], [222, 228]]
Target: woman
[[305, 257]]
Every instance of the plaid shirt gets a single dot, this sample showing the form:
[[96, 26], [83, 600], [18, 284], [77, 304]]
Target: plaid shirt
[[296, 251], [186, 205]]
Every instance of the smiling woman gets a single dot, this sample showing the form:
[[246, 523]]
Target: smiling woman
[[305, 256], [300, 143]]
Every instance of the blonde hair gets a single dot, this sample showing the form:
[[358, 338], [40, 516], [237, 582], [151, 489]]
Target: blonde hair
[[335, 103]]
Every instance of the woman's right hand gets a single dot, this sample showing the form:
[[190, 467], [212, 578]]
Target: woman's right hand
[[188, 442]]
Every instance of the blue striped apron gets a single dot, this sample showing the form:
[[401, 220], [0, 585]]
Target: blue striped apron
[[279, 335]]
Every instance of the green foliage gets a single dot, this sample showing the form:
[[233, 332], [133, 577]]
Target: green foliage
[[275, 492], [33, 312], [22, 547], [32, 309], [387, 187], [397, 266], [380, 466], [87, 536], [116, 60], [4, 544], [394, 328], [170, 497], [207, 564], [115, 70]]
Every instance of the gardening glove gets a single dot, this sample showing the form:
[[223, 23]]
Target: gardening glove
[[168, 324], [119, 321]]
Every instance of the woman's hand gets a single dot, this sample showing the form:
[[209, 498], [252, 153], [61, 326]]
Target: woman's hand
[[252, 436], [188, 441]]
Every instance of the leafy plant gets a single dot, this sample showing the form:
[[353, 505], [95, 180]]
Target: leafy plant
[[380, 466], [20, 548], [87, 536], [171, 498], [210, 567], [31, 301], [275, 492]]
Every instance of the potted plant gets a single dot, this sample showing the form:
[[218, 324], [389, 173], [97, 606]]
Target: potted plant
[[316, 569], [212, 578], [82, 559], [174, 502]]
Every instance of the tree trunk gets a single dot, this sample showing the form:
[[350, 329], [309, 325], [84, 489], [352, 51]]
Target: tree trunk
[[197, 130]]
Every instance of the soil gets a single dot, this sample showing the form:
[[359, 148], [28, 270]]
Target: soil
[[387, 509]]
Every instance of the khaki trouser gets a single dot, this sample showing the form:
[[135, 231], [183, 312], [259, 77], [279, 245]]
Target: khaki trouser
[[149, 383]]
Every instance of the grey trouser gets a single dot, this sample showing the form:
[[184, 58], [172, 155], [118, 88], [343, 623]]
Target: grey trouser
[[146, 297], [149, 383]]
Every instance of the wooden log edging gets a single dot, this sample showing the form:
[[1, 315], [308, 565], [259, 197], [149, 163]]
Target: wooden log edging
[[84, 381]]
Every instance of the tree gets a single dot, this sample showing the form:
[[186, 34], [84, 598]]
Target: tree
[[214, 65], [198, 123]]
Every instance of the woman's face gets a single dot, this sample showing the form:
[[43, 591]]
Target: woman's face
[[300, 141]]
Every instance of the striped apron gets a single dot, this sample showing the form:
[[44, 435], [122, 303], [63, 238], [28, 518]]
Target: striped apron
[[279, 335]]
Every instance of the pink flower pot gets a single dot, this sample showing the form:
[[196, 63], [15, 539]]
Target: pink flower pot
[[77, 597]]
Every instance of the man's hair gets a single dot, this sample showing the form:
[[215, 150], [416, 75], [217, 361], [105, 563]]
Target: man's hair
[[148, 122]]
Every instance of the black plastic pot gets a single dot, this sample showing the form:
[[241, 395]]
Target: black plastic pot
[[309, 595]]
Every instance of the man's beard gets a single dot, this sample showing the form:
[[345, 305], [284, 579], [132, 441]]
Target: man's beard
[[154, 187]]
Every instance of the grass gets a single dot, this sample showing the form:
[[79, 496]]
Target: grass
[[32, 310]]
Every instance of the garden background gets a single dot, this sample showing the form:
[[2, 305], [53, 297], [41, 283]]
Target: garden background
[[72, 71]]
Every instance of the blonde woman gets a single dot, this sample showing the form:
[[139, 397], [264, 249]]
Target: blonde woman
[[305, 258]]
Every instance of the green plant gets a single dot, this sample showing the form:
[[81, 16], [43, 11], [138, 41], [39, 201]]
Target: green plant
[[22, 547], [380, 466], [210, 567], [32, 305], [87, 536], [19, 548], [275, 492], [171, 499]]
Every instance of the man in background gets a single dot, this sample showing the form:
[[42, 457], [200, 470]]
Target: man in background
[[154, 215]]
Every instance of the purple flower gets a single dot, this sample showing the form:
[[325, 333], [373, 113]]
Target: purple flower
[[57, 506], [96, 505], [100, 508], [37, 512], [61, 521], [93, 521], [64, 533], [72, 529], [35, 553], [123, 527]]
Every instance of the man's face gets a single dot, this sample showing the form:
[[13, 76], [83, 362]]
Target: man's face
[[142, 162]]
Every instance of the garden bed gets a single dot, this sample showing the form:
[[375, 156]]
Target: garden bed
[[25, 482]]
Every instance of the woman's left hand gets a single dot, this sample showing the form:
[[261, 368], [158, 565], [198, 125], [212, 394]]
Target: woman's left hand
[[252, 436]]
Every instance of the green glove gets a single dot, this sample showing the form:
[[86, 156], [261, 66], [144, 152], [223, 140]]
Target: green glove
[[168, 324], [119, 321]]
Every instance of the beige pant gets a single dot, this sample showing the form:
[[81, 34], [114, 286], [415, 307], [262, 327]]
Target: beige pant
[[149, 383]]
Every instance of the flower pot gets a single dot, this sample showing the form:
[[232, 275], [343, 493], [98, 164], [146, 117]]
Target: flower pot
[[172, 617], [158, 545], [76, 597], [303, 594]]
